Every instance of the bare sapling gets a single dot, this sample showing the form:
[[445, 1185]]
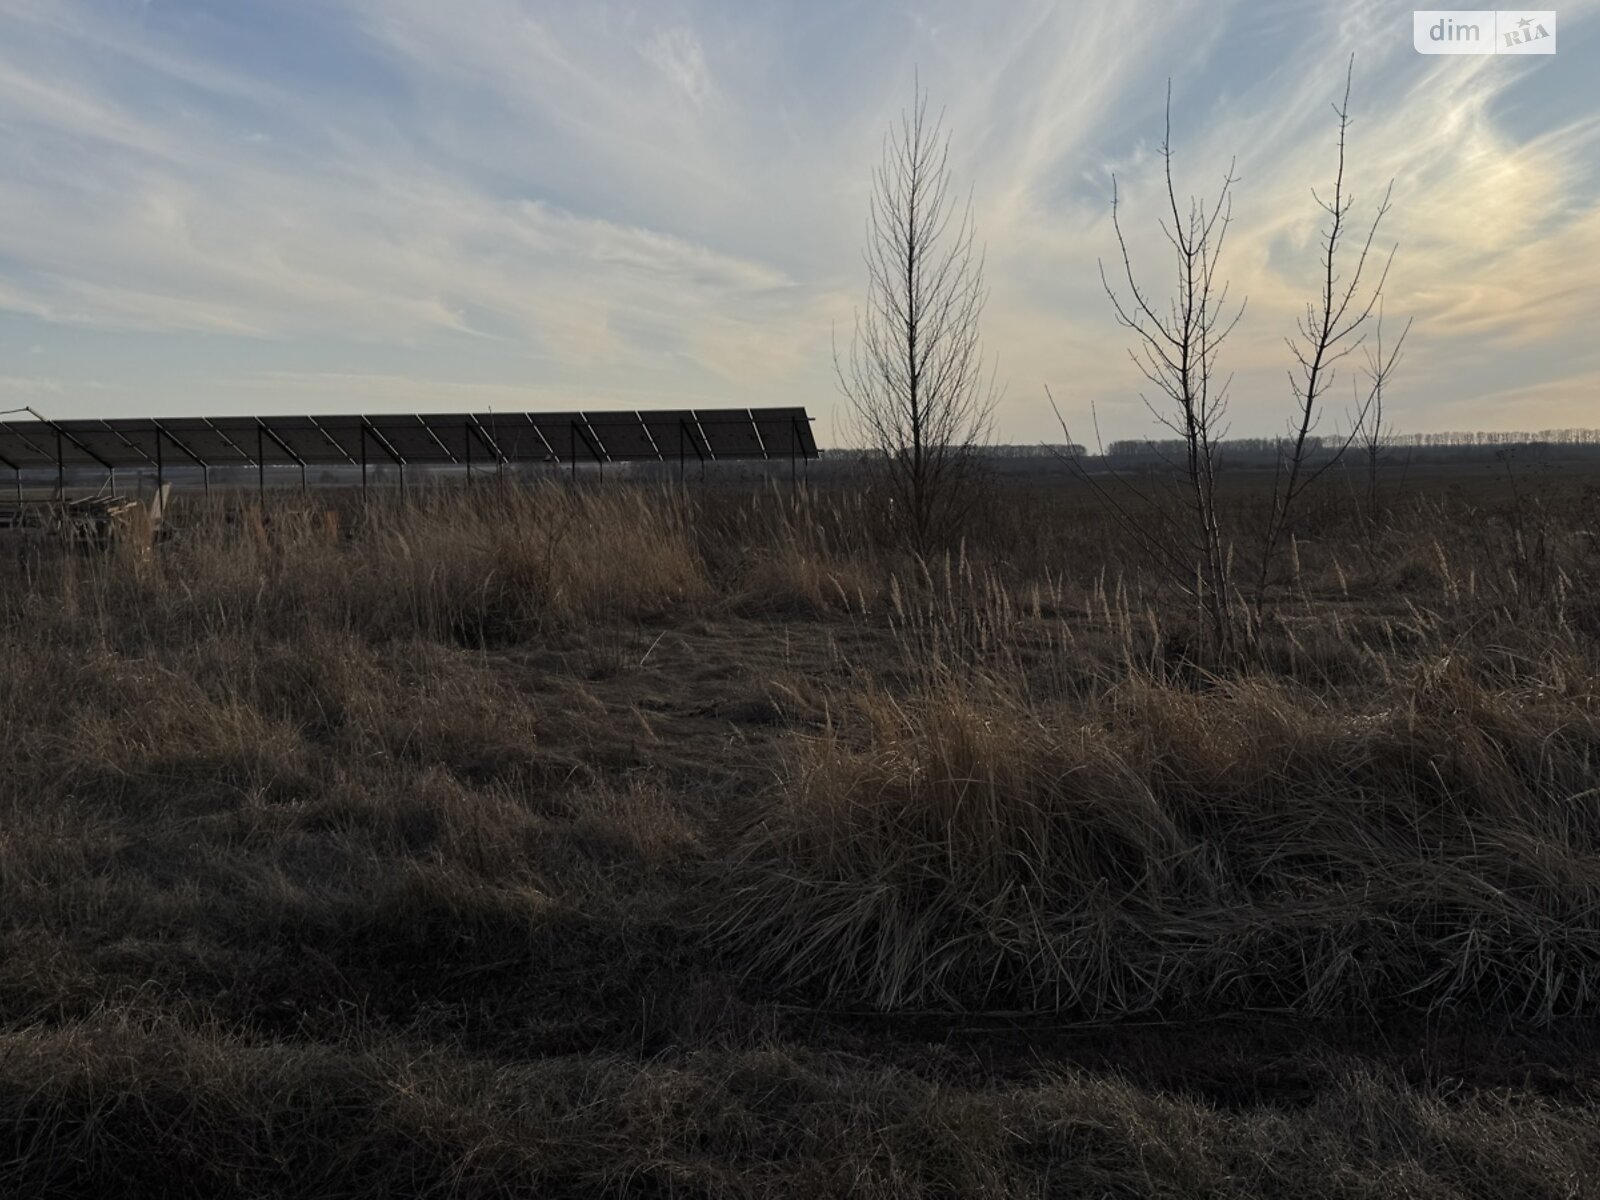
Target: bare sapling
[[1333, 326], [1372, 429], [1176, 347], [914, 372]]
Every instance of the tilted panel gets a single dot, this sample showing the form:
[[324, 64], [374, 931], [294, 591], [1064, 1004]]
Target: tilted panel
[[785, 432], [622, 436], [350, 434], [27, 444], [248, 433], [158, 445], [458, 434], [411, 440], [676, 434], [730, 432], [208, 443], [51, 441], [808, 434], [305, 440], [100, 445], [567, 434], [513, 436], [142, 435]]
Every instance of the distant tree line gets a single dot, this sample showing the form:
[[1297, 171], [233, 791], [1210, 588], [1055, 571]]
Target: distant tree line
[[1025, 450], [1176, 448], [1549, 437], [1237, 449], [1035, 450]]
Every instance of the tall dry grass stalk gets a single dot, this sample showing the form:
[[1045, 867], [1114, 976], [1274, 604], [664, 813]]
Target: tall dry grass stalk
[[492, 563]]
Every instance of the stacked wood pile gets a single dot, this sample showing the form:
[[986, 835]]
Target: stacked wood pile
[[93, 521]]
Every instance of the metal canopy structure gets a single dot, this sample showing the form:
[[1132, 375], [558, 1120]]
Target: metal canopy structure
[[469, 440]]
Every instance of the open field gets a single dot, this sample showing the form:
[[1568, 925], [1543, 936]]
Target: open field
[[603, 839]]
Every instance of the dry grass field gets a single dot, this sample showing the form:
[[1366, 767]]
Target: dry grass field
[[627, 840]]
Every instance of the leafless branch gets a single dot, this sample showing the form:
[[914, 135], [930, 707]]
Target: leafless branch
[[1177, 349], [1333, 327]]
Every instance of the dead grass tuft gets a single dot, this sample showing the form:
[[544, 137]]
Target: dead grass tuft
[[1246, 847]]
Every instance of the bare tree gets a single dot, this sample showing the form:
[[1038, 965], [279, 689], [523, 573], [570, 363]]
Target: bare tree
[[1333, 326], [1370, 427], [914, 373], [1176, 347]]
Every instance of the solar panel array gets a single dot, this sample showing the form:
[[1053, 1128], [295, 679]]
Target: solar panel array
[[440, 439]]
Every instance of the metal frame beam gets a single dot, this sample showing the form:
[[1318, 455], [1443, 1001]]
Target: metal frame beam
[[263, 431], [581, 429], [369, 429]]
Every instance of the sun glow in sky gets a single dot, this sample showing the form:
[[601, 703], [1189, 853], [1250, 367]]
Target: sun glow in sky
[[317, 205]]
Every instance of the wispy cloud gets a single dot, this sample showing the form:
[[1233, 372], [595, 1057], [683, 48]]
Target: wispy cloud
[[677, 55], [387, 202]]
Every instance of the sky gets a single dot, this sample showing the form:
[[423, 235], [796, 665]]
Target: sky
[[219, 206]]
